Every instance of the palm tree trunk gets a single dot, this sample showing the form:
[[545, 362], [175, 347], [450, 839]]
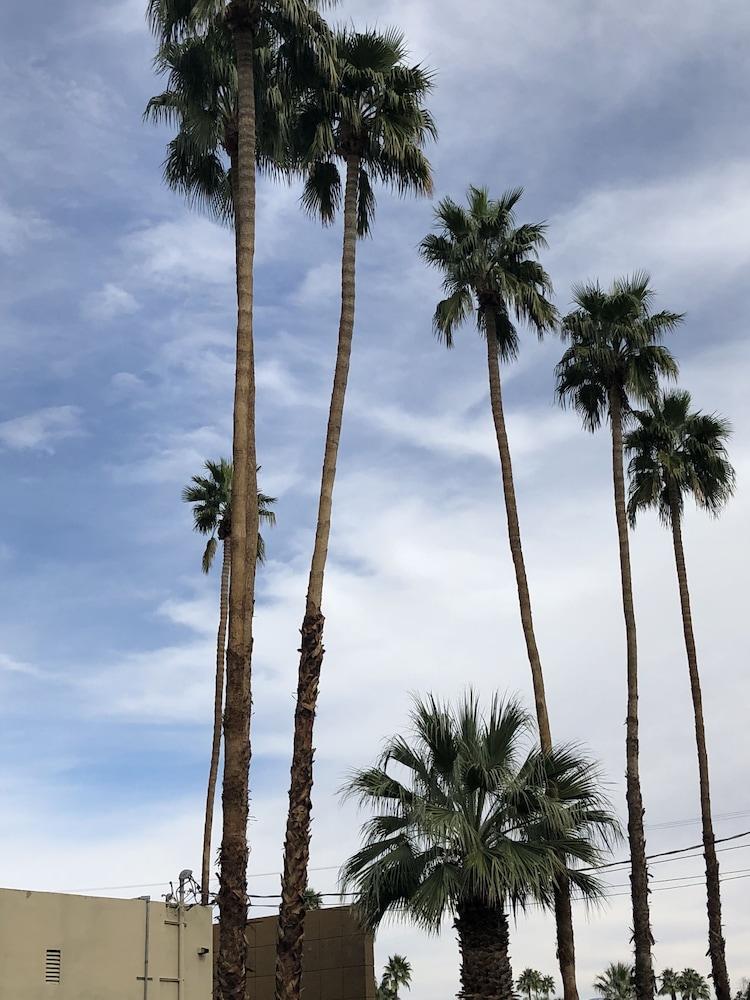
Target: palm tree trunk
[[563, 913], [213, 770], [716, 945], [644, 974], [297, 843], [483, 941], [232, 896]]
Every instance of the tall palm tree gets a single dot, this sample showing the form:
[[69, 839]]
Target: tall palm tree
[[692, 985], [669, 984], [472, 829], [530, 981], [615, 356], [291, 25], [490, 268], [678, 453], [616, 983], [547, 986], [211, 497], [397, 973], [374, 123]]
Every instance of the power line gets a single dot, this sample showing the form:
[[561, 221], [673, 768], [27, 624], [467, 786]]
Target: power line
[[665, 854]]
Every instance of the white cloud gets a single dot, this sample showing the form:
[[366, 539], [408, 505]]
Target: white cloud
[[18, 228], [189, 249], [109, 303], [10, 665], [41, 429], [173, 457]]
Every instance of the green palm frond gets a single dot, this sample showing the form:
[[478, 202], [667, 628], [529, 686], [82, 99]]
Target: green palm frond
[[469, 815], [674, 453], [614, 346], [490, 266]]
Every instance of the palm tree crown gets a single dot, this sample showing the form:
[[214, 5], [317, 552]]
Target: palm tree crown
[[490, 266], [616, 983], [678, 452], [211, 497], [374, 113], [614, 348], [397, 973], [530, 981], [474, 820], [692, 985], [669, 983]]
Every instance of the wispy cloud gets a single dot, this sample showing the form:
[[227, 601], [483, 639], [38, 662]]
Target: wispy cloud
[[109, 302], [42, 429]]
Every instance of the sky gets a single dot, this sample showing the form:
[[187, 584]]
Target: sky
[[625, 124]]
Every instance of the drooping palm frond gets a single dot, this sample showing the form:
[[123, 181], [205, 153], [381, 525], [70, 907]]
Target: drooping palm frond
[[372, 109], [473, 816], [616, 983], [490, 267], [676, 452], [614, 346]]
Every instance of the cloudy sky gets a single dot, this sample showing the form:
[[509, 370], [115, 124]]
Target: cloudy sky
[[626, 125]]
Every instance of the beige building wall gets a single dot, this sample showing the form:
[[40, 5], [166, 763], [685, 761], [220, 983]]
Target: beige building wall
[[97, 949]]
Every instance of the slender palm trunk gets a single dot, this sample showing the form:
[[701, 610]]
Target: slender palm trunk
[[716, 945], [484, 942], [644, 974], [221, 637], [297, 844], [563, 914], [232, 896]]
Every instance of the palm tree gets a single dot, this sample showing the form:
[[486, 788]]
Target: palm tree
[[473, 829], [692, 985], [616, 983], [397, 973], [530, 981], [669, 984], [490, 268], [614, 356], [547, 986], [375, 124], [254, 24], [313, 900], [211, 497], [678, 453]]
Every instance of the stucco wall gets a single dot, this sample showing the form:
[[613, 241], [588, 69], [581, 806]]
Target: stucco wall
[[102, 948]]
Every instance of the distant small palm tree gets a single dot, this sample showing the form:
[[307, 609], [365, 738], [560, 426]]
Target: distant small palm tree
[[677, 453], [211, 499], [616, 983], [693, 986], [468, 827], [615, 357], [397, 973], [530, 981], [669, 984], [312, 900], [547, 986]]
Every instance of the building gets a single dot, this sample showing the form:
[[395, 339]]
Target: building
[[338, 961], [62, 947]]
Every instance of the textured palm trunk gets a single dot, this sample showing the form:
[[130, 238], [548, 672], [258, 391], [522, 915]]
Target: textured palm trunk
[[232, 896], [644, 974], [483, 941], [716, 945], [297, 843], [221, 637], [563, 915]]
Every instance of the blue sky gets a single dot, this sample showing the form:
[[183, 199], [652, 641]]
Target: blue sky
[[625, 124]]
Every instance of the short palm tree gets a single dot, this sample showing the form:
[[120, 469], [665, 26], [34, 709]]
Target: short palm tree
[[473, 830], [211, 498], [530, 981], [292, 27], [374, 124], [692, 985], [669, 984], [678, 453], [397, 973], [616, 983], [615, 357], [313, 900], [547, 986], [490, 268]]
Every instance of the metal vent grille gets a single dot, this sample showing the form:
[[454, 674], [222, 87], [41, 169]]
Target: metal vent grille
[[53, 965]]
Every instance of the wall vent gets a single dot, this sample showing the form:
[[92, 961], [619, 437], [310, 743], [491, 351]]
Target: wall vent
[[53, 965]]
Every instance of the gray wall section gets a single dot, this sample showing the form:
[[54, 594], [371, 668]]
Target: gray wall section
[[338, 959], [102, 948]]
